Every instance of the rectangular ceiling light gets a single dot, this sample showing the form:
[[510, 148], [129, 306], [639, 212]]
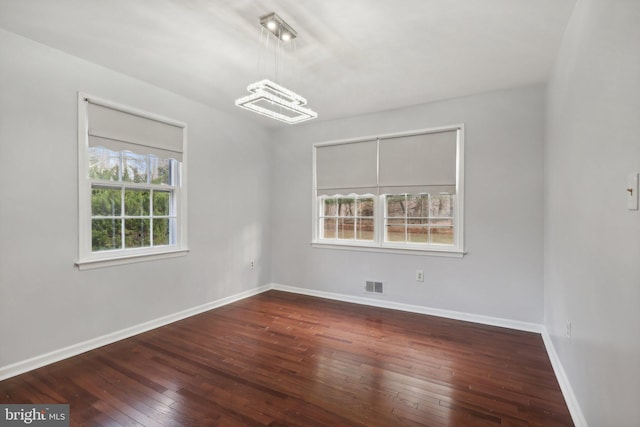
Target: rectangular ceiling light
[[277, 102], [268, 98]]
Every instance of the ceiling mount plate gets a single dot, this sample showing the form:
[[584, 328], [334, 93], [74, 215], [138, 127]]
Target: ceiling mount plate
[[278, 27]]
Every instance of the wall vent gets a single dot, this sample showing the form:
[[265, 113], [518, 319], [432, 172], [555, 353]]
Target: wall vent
[[373, 287]]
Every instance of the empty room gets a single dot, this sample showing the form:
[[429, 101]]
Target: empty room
[[320, 213]]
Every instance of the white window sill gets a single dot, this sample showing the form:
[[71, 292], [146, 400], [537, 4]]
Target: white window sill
[[89, 264], [352, 246]]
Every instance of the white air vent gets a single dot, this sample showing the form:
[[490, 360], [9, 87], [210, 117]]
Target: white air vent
[[373, 287]]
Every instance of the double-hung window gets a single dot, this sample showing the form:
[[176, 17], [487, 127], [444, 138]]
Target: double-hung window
[[131, 185], [401, 192]]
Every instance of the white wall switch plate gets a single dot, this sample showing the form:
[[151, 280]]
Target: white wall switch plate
[[632, 191]]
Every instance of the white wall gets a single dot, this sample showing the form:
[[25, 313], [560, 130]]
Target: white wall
[[592, 242], [501, 276], [46, 304]]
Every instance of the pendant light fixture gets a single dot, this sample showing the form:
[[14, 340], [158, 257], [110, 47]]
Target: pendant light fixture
[[270, 98]]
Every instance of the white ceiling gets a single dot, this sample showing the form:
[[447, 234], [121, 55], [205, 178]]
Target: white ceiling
[[352, 56]]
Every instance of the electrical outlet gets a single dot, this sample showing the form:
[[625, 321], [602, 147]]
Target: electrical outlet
[[419, 276], [252, 264]]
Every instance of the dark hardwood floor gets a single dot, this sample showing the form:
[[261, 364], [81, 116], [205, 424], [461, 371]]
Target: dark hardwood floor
[[281, 359]]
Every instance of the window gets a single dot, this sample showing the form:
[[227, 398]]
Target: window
[[347, 218], [395, 193], [131, 183], [419, 218], [125, 216]]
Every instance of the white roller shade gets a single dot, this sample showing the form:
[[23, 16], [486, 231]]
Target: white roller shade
[[424, 163], [347, 168], [118, 130]]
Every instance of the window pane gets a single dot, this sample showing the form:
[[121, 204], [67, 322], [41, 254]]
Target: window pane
[[418, 205], [395, 230], [135, 167], [160, 170], [346, 207], [106, 234], [418, 233], [442, 235], [330, 207], [104, 164], [106, 201], [365, 207], [441, 206], [346, 228], [396, 206], [136, 233], [161, 202], [161, 231], [364, 229], [329, 228], [136, 202]]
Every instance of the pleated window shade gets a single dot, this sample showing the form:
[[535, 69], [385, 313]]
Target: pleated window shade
[[347, 168], [422, 163], [118, 131]]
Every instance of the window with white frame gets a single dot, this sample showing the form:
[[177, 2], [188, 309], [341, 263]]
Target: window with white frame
[[131, 184], [347, 218], [393, 192]]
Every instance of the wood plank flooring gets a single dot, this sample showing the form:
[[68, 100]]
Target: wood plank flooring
[[281, 359]]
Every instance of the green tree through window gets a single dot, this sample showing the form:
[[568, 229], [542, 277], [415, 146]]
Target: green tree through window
[[131, 200]]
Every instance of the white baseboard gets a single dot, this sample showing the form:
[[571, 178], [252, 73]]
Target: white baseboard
[[82, 347], [450, 314], [567, 391]]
